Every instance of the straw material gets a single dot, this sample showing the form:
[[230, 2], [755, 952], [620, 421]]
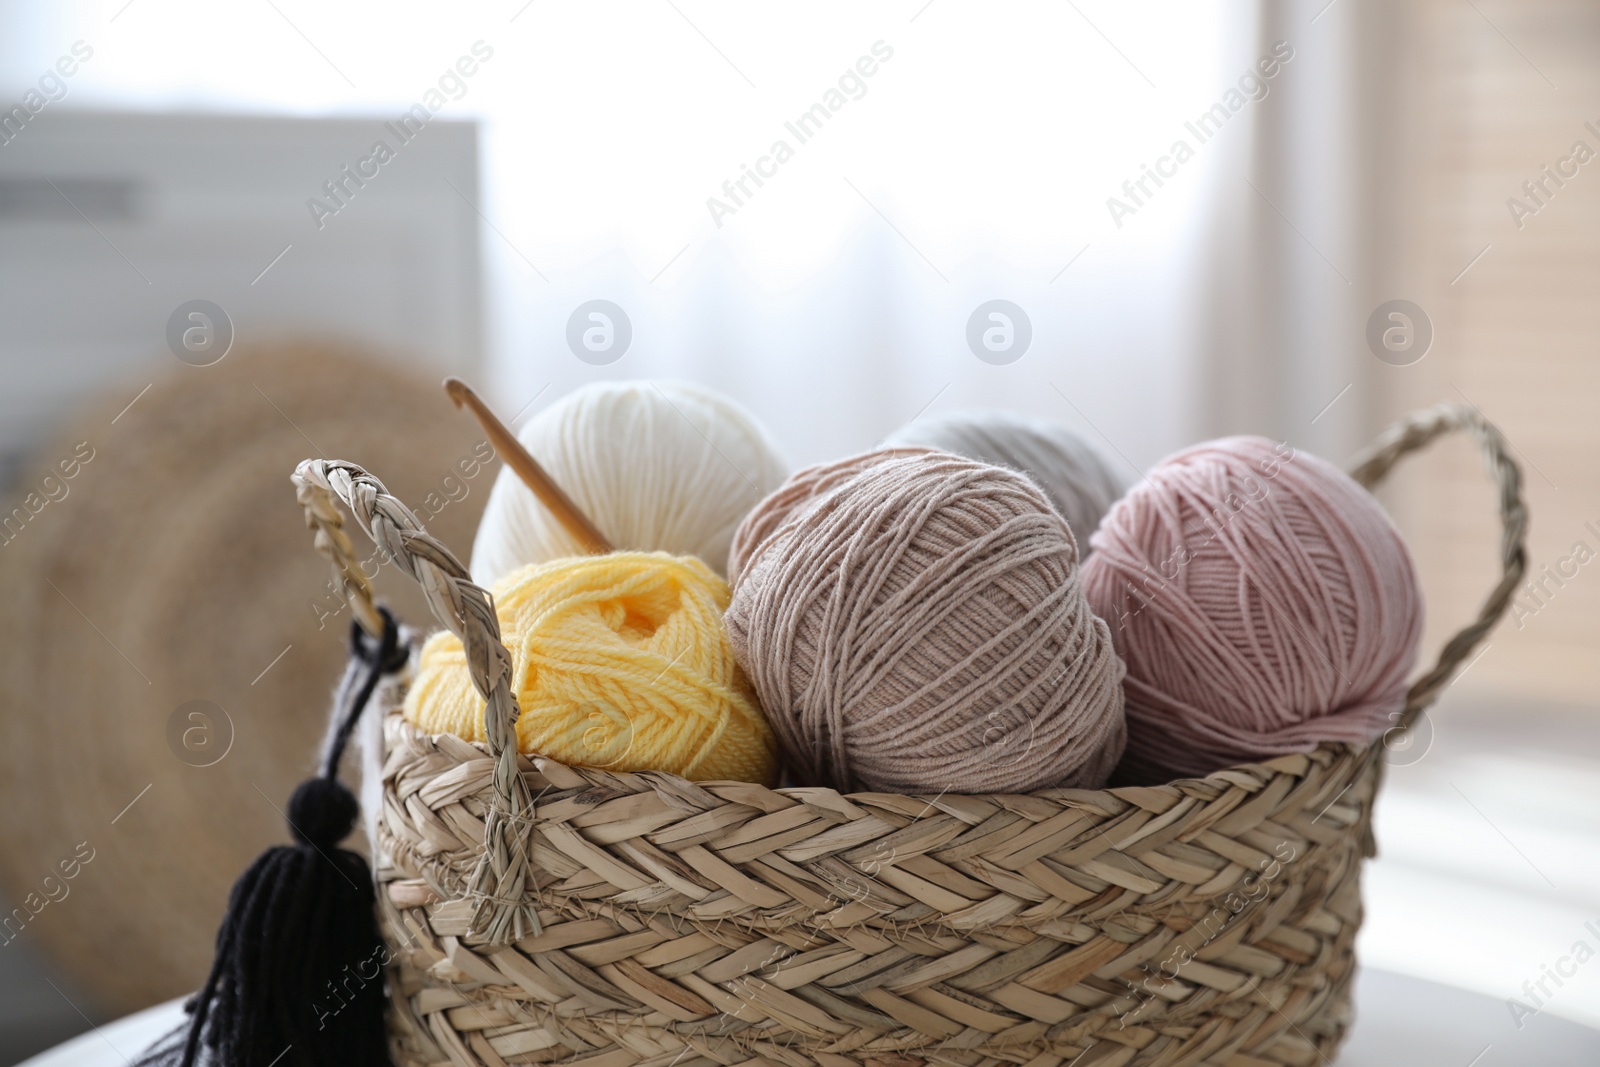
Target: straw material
[[174, 558], [689, 924]]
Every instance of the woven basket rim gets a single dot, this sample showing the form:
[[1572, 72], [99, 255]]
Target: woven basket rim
[[593, 787], [1287, 763]]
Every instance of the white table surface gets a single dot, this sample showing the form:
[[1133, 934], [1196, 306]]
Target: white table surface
[[1403, 1022]]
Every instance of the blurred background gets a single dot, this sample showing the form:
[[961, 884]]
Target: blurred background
[[209, 270]]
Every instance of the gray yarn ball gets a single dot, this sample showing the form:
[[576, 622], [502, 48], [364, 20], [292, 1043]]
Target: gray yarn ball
[[1079, 484]]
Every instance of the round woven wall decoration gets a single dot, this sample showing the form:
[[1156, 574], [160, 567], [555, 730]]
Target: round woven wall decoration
[[171, 568]]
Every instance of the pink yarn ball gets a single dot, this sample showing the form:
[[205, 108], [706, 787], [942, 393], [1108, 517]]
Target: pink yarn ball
[[1263, 603]]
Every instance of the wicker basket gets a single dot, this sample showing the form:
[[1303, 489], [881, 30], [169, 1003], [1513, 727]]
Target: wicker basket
[[539, 913]]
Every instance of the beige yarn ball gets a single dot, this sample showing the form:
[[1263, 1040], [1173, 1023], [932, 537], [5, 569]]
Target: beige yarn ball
[[657, 466], [1079, 482], [915, 624], [796, 494]]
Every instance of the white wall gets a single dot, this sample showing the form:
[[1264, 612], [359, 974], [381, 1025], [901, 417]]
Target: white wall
[[834, 302]]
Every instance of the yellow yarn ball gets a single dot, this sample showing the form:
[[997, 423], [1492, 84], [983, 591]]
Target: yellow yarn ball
[[619, 662]]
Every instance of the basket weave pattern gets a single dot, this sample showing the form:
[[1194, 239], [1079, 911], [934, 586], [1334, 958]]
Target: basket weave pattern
[[720, 923], [663, 922]]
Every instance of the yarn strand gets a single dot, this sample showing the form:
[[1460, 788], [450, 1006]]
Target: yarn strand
[[1080, 485], [659, 467], [619, 662]]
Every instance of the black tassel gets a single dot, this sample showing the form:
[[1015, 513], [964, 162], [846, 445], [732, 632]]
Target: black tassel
[[298, 976]]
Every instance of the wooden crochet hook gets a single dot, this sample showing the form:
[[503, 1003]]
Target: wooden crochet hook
[[533, 476]]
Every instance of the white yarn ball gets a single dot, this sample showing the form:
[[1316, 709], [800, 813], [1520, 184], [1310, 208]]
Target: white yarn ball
[[1079, 483], [656, 466]]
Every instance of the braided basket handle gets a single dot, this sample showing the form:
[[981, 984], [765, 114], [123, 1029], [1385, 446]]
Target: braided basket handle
[[1411, 434], [497, 885]]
